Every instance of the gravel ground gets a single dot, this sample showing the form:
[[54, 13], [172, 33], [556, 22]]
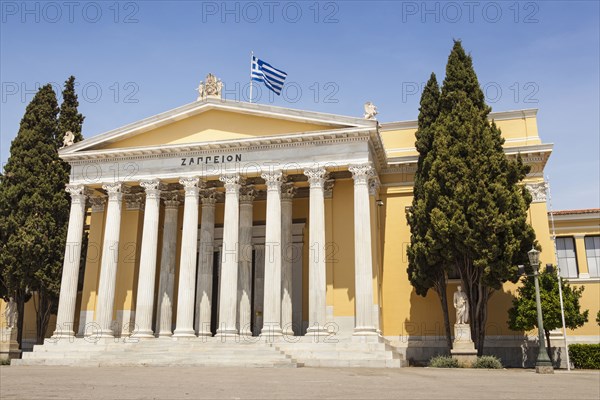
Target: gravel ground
[[49, 382]]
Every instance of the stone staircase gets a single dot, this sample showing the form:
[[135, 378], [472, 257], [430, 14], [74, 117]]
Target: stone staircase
[[156, 352], [213, 352], [342, 352]]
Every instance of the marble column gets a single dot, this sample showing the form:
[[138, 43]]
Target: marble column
[[110, 258], [145, 294], [317, 288], [287, 247], [244, 295], [272, 291], [363, 260], [229, 257], [70, 272], [204, 284], [166, 284], [187, 264]]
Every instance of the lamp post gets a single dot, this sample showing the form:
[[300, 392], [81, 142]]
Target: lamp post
[[543, 364]]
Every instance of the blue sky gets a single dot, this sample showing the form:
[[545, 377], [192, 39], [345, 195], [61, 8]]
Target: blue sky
[[134, 59]]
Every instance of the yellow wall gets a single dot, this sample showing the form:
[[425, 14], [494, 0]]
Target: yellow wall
[[517, 132], [129, 260]]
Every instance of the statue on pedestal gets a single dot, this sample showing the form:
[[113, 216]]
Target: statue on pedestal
[[463, 348], [10, 313], [462, 306]]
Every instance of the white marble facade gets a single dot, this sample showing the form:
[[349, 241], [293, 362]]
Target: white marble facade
[[259, 282]]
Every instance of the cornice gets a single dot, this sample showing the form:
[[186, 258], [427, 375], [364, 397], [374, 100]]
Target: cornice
[[200, 148]]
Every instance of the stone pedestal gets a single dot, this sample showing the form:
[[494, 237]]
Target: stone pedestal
[[463, 348], [9, 347]]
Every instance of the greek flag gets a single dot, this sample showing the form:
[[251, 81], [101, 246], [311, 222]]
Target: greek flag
[[272, 77]]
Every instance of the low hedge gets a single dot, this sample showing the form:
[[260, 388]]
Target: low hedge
[[443, 362], [585, 356], [488, 362]]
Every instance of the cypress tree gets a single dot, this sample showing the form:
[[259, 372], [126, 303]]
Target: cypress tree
[[480, 216], [426, 265], [28, 204], [34, 206]]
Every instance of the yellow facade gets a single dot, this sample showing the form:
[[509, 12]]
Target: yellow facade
[[401, 313]]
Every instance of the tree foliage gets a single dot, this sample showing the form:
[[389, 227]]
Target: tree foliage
[[523, 313], [478, 217], [34, 207]]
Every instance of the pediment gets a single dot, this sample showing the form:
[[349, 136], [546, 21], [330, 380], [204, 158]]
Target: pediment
[[215, 120]]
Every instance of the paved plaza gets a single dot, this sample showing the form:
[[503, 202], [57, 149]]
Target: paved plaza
[[46, 382]]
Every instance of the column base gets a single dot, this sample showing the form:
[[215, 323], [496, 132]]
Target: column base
[[143, 334], [222, 333], [365, 331], [316, 331], [58, 334], [104, 333], [288, 332], [184, 333], [273, 330]]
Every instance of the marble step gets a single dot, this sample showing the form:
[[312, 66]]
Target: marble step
[[158, 363], [335, 363], [342, 355]]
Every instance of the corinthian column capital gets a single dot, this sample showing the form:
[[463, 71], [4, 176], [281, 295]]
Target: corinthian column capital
[[247, 194], [209, 197], [232, 182], [115, 190], [361, 173], [98, 203], [191, 185], [288, 191], [316, 176], [273, 179], [152, 188], [171, 199]]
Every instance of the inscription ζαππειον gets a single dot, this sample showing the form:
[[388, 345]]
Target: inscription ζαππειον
[[218, 159]]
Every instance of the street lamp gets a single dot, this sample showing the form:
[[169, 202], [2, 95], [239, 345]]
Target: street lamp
[[543, 364]]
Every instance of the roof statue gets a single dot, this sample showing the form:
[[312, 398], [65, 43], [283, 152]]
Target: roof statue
[[370, 110], [68, 139], [210, 87]]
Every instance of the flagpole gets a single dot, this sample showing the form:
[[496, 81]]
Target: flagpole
[[251, 57]]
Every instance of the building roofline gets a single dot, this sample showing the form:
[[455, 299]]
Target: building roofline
[[197, 107], [497, 116]]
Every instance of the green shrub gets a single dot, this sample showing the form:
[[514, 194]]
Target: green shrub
[[5, 361], [585, 356], [443, 362], [489, 362]]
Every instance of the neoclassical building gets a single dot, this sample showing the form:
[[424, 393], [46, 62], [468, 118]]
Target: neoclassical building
[[245, 221]]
